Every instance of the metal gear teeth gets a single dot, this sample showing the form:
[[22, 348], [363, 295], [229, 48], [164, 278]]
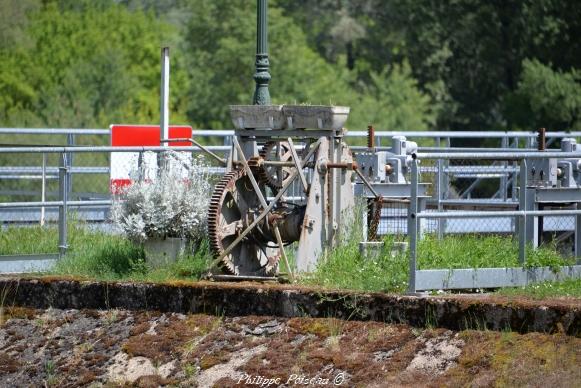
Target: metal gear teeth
[[213, 215], [263, 174]]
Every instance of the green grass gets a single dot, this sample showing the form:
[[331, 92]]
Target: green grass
[[99, 255], [102, 256], [481, 251], [346, 268], [28, 240], [567, 288]]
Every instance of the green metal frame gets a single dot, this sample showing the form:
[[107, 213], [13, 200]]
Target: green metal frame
[[262, 75]]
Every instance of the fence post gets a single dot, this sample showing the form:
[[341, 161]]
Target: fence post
[[439, 182], [522, 205], [504, 180], [578, 236], [43, 189], [445, 180], [63, 196], [441, 223], [70, 143], [413, 227], [163, 108]]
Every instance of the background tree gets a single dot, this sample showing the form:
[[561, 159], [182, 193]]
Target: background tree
[[402, 64]]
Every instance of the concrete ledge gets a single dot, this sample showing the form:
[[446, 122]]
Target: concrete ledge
[[241, 299], [438, 279]]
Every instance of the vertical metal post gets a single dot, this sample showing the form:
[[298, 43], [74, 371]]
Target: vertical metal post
[[70, 143], [445, 180], [413, 227], [164, 110], [365, 220], [333, 201], [504, 179], [439, 183], [441, 223], [514, 174], [522, 242], [43, 189], [63, 196], [163, 105], [140, 167], [578, 235], [262, 75]]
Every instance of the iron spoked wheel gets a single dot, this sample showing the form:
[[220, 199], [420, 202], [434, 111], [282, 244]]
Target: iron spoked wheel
[[276, 176], [232, 207]]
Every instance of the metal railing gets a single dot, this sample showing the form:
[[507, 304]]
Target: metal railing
[[443, 171], [22, 263], [429, 141], [467, 278]]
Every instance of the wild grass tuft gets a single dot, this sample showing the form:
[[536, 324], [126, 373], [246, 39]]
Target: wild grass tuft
[[482, 251], [566, 288], [28, 240], [102, 256], [345, 267], [99, 255]]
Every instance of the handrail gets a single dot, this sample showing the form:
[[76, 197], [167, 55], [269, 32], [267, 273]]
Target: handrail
[[378, 133]]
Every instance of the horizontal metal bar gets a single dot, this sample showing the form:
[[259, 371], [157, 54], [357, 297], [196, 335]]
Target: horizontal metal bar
[[84, 149], [476, 149], [378, 133], [52, 170], [53, 131], [495, 214], [475, 202], [13, 264], [462, 134], [29, 257], [443, 279], [52, 150], [470, 169], [77, 131], [447, 149], [27, 177], [515, 155], [9, 205]]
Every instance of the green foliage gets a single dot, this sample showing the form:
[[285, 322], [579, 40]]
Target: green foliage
[[466, 54], [391, 100], [387, 269], [188, 267], [221, 39], [14, 21], [347, 268], [23, 240], [479, 251], [99, 255], [102, 256], [567, 288], [90, 64], [546, 98], [400, 65]]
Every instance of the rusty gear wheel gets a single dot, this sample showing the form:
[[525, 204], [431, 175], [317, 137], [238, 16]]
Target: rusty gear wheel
[[233, 206], [275, 176]]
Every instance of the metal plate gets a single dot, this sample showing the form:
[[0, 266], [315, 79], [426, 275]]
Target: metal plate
[[438, 279]]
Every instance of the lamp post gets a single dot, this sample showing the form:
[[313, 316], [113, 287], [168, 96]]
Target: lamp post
[[261, 76]]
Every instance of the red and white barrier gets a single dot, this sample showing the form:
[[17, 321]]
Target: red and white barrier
[[123, 163]]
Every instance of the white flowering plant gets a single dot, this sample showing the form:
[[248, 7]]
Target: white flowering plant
[[171, 201]]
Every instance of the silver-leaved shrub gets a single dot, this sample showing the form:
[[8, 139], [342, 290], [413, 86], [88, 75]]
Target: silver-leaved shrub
[[171, 201]]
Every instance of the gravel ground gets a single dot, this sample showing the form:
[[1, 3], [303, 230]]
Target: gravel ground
[[72, 348]]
